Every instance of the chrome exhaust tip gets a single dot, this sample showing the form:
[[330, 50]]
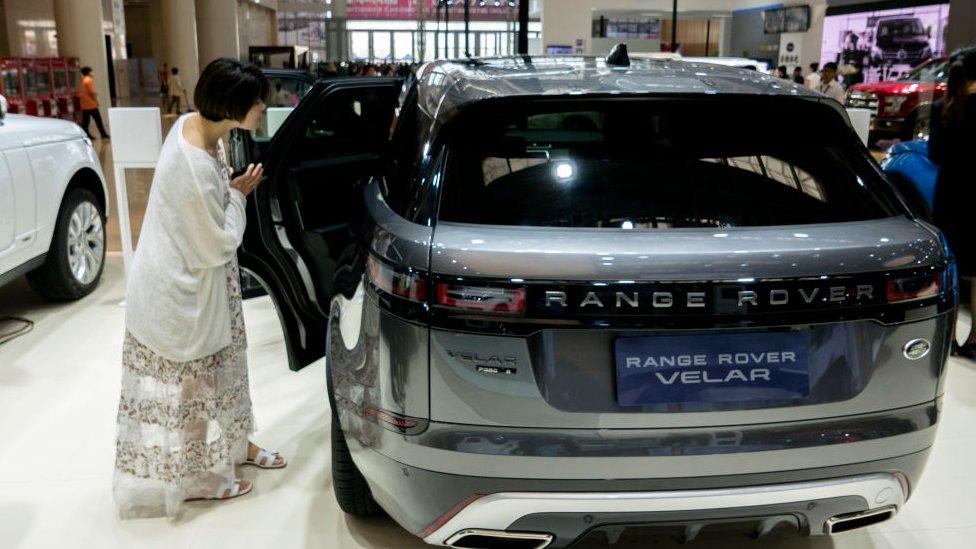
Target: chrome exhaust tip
[[852, 521], [498, 539]]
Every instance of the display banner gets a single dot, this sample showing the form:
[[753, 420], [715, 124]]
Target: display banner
[[791, 49], [884, 44], [407, 9]]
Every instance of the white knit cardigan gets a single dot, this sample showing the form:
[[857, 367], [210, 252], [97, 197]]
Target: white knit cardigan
[[176, 298]]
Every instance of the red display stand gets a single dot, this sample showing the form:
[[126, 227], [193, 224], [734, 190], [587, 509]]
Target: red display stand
[[12, 84]]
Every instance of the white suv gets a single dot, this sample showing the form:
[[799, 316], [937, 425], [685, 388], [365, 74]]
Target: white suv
[[53, 203]]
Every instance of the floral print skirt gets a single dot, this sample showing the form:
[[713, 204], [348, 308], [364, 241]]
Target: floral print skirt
[[182, 426]]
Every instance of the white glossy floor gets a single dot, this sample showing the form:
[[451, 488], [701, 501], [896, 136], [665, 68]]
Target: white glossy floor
[[58, 392]]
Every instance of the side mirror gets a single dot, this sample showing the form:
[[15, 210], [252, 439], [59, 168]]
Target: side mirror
[[3, 107]]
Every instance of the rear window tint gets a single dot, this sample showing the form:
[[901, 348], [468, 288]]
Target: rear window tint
[[658, 164]]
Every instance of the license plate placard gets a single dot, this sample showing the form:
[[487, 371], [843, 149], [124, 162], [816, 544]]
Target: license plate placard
[[711, 368]]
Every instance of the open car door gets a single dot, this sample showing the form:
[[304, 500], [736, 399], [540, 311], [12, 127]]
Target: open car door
[[302, 241]]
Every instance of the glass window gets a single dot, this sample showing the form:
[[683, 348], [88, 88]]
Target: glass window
[[650, 165], [934, 71], [43, 82], [30, 42], [429, 53], [403, 46], [11, 83], [30, 82], [359, 41], [487, 44], [381, 46], [450, 50], [60, 80]]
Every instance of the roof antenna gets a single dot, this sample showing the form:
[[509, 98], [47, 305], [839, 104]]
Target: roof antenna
[[618, 56]]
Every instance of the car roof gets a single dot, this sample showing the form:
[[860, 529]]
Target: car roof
[[446, 86]]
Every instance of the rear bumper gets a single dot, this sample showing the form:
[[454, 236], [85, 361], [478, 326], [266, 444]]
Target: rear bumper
[[560, 454], [810, 507], [427, 502], [418, 479]]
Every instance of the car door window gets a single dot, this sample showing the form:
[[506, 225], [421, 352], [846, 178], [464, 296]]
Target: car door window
[[283, 97]]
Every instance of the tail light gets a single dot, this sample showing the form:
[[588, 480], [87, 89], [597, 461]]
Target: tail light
[[406, 285], [390, 418], [480, 298], [911, 288]]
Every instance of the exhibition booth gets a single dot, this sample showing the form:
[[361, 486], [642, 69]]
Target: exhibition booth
[[487, 274]]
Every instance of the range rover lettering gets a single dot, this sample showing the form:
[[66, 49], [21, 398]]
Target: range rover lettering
[[557, 296]]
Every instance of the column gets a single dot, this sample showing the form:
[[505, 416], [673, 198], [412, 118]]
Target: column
[[79, 27], [4, 40], [217, 31], [156, 38], [180, 34], [962, 24]]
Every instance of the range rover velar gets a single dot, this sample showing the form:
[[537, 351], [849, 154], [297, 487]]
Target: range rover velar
[[562, 297]]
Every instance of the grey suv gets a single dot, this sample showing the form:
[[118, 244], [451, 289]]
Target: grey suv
[[559, 299]]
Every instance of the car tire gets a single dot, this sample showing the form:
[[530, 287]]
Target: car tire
[[76, 258], [350, 487]]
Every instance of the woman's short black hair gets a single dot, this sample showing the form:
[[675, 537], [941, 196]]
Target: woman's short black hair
[[227, 89], [85, 71]]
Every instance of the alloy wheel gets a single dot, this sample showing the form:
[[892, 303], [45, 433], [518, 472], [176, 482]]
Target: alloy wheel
[[86, 243]]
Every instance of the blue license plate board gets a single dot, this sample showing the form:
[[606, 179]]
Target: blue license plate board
[[729, 367]]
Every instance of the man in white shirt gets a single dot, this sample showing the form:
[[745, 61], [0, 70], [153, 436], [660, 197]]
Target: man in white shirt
[[177, 92], [812, 80], [829, 85]]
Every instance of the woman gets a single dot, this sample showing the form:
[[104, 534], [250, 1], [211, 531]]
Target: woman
[[185, 413], [951, 146], [798, 77]]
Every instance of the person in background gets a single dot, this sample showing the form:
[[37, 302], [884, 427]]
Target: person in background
[[370, 70], [177, 91], [798, 76], [163, 74], [782, 73], [813, 79], [89, 104], [331, 71], [282, 96], [829, 85], [403, 71], [951, 146]]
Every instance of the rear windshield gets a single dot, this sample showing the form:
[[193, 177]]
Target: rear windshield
[[658, 164]]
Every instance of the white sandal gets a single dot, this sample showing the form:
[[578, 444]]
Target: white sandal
[[229, 489], [265, 459]]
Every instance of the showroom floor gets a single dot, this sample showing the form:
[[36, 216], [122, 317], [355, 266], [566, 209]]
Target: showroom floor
[[59, 388]]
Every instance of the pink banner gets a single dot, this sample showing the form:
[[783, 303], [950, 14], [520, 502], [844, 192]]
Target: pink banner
[[407, 9]]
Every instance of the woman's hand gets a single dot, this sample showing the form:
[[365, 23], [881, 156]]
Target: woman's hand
[[249, 180]]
